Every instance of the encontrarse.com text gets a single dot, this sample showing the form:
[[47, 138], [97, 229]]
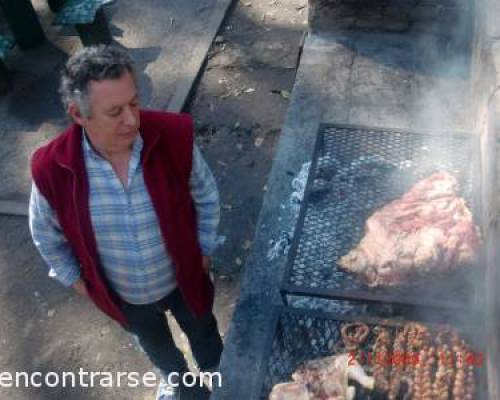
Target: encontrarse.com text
[[103, 379]]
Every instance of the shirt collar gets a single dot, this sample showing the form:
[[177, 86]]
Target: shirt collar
[[90, 151]]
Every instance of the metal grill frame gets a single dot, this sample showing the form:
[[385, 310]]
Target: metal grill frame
[[278, 312], [382, 295]]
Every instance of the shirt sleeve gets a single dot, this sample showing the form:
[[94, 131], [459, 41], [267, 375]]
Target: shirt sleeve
[[50, 241], [206, 199]]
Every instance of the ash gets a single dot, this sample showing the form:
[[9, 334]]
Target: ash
[[281, 246], [326, 305], [299, 187]]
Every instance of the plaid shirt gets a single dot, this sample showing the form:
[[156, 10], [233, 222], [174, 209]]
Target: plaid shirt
[[128, 237]]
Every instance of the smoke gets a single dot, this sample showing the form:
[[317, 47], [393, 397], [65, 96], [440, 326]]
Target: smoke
[[447, 87], [422, 78]]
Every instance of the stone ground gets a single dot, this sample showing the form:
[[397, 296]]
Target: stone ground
[[238, 106]]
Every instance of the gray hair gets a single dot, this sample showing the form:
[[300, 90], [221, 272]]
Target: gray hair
[[94, 63]]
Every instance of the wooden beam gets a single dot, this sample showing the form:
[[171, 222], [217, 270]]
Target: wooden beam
[[192, 70]]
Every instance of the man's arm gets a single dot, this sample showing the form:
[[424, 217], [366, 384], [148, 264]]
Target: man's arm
[[206, 200], [49, 239]]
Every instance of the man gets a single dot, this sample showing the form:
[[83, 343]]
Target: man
[[124, 209]]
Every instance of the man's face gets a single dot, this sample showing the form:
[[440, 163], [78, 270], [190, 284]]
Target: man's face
[[114, 114]]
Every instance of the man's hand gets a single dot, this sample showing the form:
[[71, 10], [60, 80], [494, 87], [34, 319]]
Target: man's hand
[[80, 287], [207, 266], [207, 263]]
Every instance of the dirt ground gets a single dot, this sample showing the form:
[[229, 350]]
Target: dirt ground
[[239, 107]]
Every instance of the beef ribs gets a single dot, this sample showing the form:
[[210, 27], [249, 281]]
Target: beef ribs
[[429, 229]]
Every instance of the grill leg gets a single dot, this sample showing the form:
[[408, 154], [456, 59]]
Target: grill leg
[[4, 78], [96, 32]]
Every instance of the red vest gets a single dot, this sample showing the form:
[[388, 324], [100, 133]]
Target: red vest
[[58, 170]]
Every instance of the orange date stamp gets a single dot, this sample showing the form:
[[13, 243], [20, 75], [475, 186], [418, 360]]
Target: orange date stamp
[[398, 358]]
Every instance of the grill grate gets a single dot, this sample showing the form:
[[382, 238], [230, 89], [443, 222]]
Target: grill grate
[[356, 170], [301, 335]]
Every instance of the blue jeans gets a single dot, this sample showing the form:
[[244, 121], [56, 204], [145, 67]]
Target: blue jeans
[[149, 324]]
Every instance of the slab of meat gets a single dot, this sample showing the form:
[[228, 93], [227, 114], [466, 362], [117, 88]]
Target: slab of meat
[[428, 230], [289, 391], [328, 377]]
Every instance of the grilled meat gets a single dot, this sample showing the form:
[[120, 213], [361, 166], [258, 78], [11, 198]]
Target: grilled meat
[[289, 391], [354, 334], [329, 376], [420, 364], [427, 393], [459, 384], [398, 364], [419, 379], [470, 386], [417, 337], [380, 350], [444, 373], [428, 230]]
